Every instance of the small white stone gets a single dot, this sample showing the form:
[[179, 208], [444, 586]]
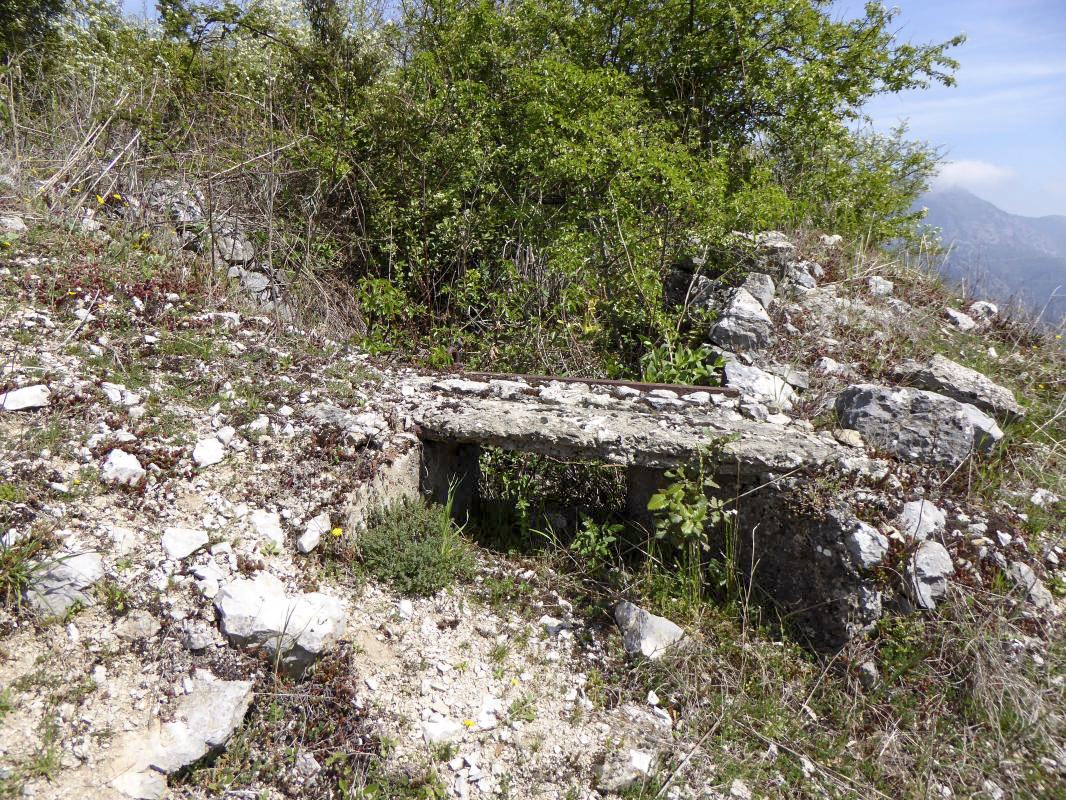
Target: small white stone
[[179, 543], [208, 452], [122, 468], [313, 533], [225, 434], [25, 398], [268, 526]]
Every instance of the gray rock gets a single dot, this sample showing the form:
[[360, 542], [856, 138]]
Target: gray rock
[[253, 283], [1024, 577], [928, 573], [682, 288], [137, 625], [880, 286], [313, 533], [983, 310], [960, 320], [913, 424], [122, 468], [234, 249], [59, 582], [267, 525], [179, 543], [744, 324], [759, 385], [760, 286], [12, 225], [441, 731], [774, 249], [833, 240], [866, 545], [624, 767], [26, 398], [797, 275], [208, 452], [869, 676], [920, 520], [259, 614], [180, 203], [942, 375], [643, 632], [203, 721]]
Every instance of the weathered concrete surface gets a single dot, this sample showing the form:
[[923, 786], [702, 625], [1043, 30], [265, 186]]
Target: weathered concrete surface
[[625, 434]]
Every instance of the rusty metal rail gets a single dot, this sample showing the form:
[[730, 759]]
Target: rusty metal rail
[[679, 388]]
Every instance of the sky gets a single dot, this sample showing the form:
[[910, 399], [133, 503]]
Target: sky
[[1002, 128]]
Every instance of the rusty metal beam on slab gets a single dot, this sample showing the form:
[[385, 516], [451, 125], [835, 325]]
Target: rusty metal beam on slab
[[679, 388]]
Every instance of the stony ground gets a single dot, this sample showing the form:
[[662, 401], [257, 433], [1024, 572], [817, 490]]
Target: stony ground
[[177, 491]]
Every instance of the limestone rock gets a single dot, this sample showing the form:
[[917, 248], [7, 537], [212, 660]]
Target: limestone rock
[[744, 324], [313, 533], [880, 286], [983, 310], [179, 543], [866, 545], [797, 275], [441, 731], [208, 452], [234, 249], [138, 624], [643, 632], [12, 225], [916, 424], [928, 573], [26, 398], [920, 520], [760, 286], [683, 288], [258, 614], [268, 526], [962, 321], [754, 382], [122, 468], [1024, 577], [942, 375], [59, 582], [624, 768], [203, 721]]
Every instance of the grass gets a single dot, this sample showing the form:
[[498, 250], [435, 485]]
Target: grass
[[18, 564], [414, 547]]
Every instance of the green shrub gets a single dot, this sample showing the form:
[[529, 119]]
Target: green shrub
[[415, 548]]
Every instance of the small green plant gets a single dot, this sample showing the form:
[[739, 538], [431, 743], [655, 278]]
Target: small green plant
[[684, 514], [18, 563], [114, 598], [678, 363], [595, 541], [415, 548], [523, 709], [499, 652]]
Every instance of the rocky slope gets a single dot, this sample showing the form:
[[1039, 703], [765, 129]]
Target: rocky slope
[[182, 465]]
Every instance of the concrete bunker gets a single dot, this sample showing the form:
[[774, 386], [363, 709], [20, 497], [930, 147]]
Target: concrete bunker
[[801, 563]]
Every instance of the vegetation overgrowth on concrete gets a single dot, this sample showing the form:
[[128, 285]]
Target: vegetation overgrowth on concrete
[[505, 186]]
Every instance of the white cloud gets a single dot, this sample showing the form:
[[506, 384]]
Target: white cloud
[[971, 174]]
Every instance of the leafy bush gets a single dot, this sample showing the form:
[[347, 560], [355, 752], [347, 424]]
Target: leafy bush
[[415, 548]]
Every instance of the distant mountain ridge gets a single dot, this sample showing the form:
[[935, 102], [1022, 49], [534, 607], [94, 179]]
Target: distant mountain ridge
[[1001, 255]]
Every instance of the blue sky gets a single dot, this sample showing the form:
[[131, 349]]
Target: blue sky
[[1003, 127]]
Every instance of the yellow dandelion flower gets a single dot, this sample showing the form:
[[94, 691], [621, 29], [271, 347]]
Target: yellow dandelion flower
[[99, 200], [469, 723], [337, 531]]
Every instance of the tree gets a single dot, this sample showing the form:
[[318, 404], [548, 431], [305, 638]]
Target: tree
[[25, 24]]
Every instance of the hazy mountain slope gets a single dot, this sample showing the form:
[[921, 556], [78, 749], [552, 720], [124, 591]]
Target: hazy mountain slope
[[1003, 255]]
